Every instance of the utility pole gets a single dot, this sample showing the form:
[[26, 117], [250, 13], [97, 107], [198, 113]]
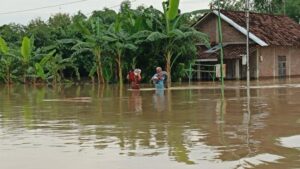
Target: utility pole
[[247, 44], [248, 64], [221, 47]]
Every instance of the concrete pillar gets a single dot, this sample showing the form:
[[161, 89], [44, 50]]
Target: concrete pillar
[[274, 62], [257, 63], [237, 69], [198, 71], [289, 61]]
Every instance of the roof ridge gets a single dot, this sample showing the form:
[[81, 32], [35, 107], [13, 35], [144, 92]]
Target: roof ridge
[[241, 28], [253, 12]]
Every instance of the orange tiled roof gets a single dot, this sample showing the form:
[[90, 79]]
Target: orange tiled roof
[[273, 29]]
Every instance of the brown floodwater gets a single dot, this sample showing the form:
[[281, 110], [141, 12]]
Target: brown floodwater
[[190, 126]]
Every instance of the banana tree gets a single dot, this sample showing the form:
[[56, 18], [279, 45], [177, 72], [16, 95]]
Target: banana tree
[[54, 62], [174, 36], [93, 43], [55, 66], [6, 62], [41, 66], [11, 56], [119, 41], [26, 56]]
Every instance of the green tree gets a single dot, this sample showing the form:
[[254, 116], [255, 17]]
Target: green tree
[[26, 57], [237, 5], [103, 45], [94, 42], [41, 32], [107, 16], [55, 66], [60, 26], [12, 33], [119, 42], [292, 9], [174, 38], [54, 63], [6, 62]]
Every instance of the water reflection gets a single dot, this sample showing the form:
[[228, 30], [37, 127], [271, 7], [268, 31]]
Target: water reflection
[[247, 122], [169, 129], [135, 101], [159, 100]]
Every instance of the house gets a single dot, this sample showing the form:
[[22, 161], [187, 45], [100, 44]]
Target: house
[[274, 45]]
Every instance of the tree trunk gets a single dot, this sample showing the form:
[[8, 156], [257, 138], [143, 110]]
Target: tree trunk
[[25, 74], [99, 66], [120, 70], [93, 80], [8, 76], [101, 72], [54, 80], [98, 74], [24, 78], [168, 68]]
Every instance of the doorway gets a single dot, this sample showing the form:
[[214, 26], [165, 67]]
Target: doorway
[[282, 66]]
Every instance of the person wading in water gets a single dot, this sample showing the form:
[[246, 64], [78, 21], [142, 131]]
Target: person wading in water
[[134, 77], [159, 78]]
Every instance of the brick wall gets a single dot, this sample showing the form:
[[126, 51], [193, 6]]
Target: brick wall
[[208, 26], [295, 61], [268, 67], [266, 61], [230, 34]]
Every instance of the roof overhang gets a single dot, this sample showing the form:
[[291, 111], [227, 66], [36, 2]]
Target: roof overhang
[[241, 29], [207, 60]]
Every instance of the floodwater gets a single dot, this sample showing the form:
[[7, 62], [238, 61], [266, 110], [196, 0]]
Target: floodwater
[[76, 127]]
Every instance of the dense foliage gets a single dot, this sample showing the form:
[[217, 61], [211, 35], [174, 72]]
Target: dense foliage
[[101, 48], [290, 8]]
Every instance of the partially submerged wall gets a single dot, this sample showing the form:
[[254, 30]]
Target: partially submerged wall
[[268, 60]]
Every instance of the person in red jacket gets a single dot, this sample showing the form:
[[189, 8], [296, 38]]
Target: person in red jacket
[[134, 78]]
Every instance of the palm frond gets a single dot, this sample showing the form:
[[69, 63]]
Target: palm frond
[[176, 22], [173, 9], [81, 51], [67, 41], [198, 36], [26, 49], [3, 46], [154, 36], [82, 29], [177, 33], [140, 34]]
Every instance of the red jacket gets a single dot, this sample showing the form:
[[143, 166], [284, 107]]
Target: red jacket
[[134, 80]]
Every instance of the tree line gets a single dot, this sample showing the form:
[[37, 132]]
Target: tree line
[[102, 47], [290, 8]]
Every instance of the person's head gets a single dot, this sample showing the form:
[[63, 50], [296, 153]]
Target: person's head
[[158, 69]]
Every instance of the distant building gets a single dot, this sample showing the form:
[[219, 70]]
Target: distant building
[[274, 45]]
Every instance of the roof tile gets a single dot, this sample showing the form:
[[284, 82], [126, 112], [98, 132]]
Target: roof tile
[[273, 29]]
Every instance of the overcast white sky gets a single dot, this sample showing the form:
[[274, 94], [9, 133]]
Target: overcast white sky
[[7, 8]]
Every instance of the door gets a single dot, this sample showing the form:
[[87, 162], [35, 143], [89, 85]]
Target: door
[[282, 66]]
